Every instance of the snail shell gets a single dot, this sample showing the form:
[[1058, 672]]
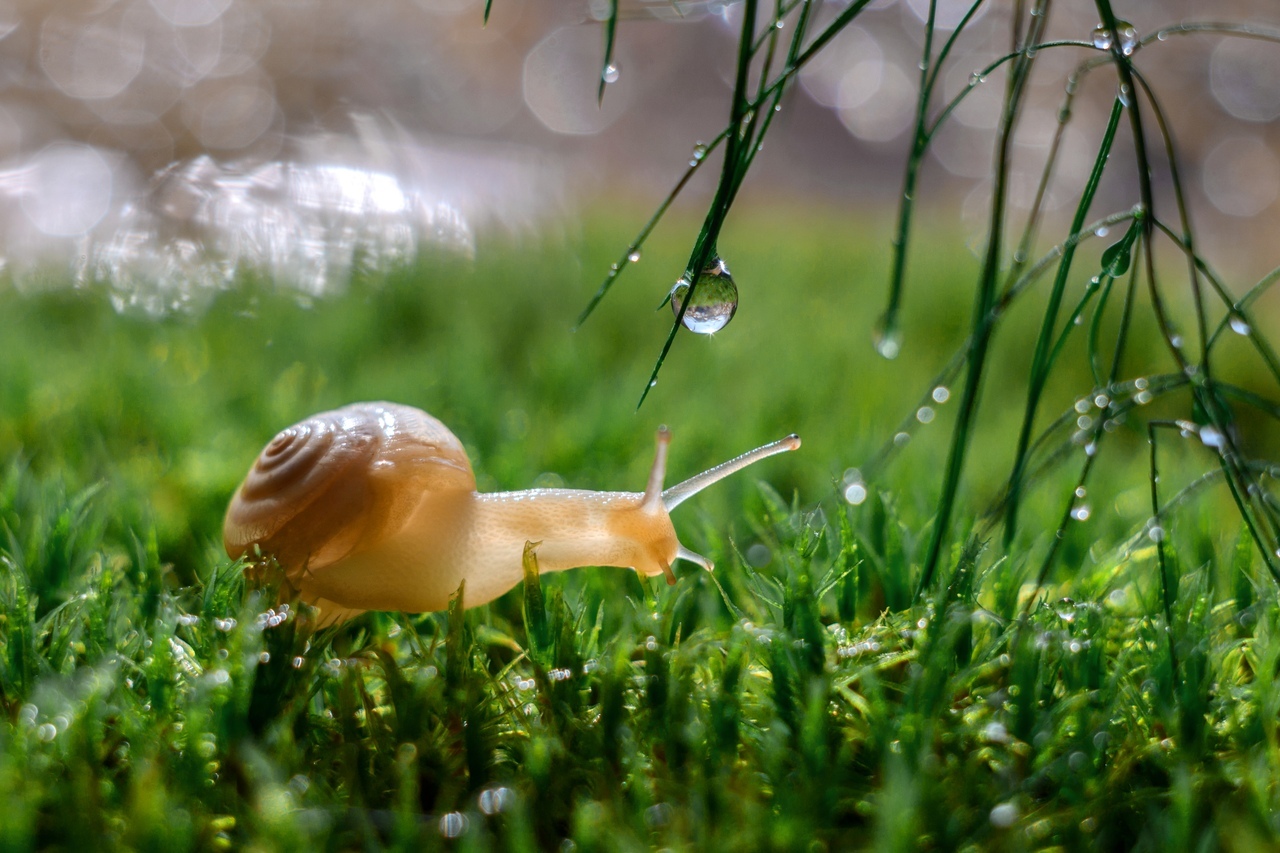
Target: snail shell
[[323, 487]]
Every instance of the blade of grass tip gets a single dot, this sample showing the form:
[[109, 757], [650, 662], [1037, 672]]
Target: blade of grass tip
[[488, 6], [886, 334], [608, 72], [1040, 361], [984, 301], [704, 246], [625, 260]]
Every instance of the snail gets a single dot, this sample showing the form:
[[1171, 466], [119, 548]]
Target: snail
[[374, 507]]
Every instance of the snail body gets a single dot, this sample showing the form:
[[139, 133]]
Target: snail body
[[374, 507]]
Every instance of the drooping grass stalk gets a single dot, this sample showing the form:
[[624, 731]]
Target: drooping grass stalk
[[1043, 357], [985, 299]]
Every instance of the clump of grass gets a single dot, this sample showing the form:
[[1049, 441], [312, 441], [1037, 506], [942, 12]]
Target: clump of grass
[[777, 706]]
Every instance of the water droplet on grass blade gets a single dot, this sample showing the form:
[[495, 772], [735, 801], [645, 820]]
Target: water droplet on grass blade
[[634, 256], [1101, 37], [924, 414], [610, 73], [941, 394], [887, 341], [1081, 513], [1212, 437], [713, 302], [1239, 325]]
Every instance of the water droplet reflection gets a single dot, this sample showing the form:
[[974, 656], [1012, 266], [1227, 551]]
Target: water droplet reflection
[[713, 302]]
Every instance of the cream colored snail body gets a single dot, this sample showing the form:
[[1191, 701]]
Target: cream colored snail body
[[374, 507]]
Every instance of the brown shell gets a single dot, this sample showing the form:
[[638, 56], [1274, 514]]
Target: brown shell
[[326, 485]]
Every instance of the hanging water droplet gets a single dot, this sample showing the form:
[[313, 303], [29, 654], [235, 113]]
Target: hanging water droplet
[[924, 414], [1140, 383], [941, 394], [1239, 325], [1176, 341], [1102, 230], [610, 73], [1142, 398], [1155, 532], [1101, 37], [901, 438], [634, 256], [1102, 401], [1212, 437], [976, 77], [1081, 513], [713, 302], [1091, 449], [699, 151], [888, 342], [1128, 37]]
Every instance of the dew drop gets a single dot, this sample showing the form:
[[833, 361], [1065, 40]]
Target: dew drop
[[941, 394], [1239, 325], [1084, 422], [900, 439], [1155, 533], [1101, 37], [1212, 437], [1102, 401], [47, 732], [1140, 383], [713, 302], [610, 73], [495, 800], [699, 151], [224, 624], [297, 662], [855, 493], [634, 256], [1080, 491], [453, 824], [924, 414], [1091, 449], [1081, 513], [1003, 816], [264, 657], [1142, 398], [888, 342], [1082, 405], [1176, 341]]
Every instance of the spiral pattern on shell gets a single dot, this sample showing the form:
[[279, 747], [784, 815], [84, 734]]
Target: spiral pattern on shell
[[321, 484]]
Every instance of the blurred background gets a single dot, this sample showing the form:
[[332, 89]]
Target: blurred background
[[161, 147]]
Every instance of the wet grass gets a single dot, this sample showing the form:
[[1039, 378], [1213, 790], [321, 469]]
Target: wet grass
[[803, 697]]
